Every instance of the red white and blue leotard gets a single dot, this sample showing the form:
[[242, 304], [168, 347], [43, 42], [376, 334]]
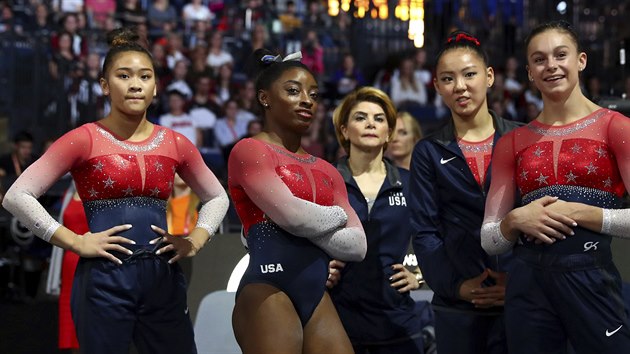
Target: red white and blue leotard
[[587, 161], [120, 182], [295, 214]]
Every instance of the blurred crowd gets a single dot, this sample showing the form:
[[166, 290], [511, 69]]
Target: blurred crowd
[[201, 47]]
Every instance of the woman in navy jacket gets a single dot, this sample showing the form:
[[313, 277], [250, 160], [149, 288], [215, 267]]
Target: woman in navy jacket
[[372, 297], [448, 185]]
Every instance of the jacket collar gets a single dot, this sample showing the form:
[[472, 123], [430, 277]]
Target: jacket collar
[[393, 175], [446, 135]]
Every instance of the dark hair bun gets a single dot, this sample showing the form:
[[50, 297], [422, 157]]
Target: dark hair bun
[[122, 37], [255, 63]]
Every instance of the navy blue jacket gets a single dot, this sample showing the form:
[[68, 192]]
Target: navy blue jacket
[[447, 207], [371, 310]]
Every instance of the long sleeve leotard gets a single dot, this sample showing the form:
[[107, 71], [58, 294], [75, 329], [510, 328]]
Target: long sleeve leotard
[[303, 195], [119, 181], [587, 161]]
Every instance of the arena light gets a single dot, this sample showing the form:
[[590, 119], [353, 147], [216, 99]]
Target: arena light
[[562, 7]]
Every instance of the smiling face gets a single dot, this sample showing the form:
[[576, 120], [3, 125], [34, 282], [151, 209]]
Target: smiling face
[[130, 83], [554, 63], [367, 127], [462, 79], [291, 101]]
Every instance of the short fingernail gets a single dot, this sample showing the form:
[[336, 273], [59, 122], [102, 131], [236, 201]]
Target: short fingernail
[[391, 278], [153, 226], [133, 242], [129, 226], [129, 252], [158, 251], [152, 242], [119, 262]]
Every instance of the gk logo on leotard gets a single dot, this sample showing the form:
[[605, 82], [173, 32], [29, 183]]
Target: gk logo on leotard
[[271, 268], [590, 246], [397, 199]]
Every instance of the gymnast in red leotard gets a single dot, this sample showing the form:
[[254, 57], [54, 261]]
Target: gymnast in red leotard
[[296, 216]]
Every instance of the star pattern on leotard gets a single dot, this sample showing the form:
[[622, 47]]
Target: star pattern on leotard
[[158, 166], [155, 192], [607, 182], [591, 168], [109, 182], [538, 152], [325, 182], [298, 176], [576, 149], [93, 193], [542, 179], [128, 191], [524, 175], [98, 166], [600, 151], [570, 177]]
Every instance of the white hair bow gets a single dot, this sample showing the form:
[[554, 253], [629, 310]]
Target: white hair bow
[[297, 56]]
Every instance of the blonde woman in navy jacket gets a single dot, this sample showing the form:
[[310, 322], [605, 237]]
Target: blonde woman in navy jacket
[[372, 297], [449, 181]]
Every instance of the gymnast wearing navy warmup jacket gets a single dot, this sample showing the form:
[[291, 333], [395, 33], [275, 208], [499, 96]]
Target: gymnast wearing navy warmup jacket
[[449, 180], [372, 297], [571, 168], [128, 285]]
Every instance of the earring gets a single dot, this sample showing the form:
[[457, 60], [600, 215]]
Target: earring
[[266, 105]]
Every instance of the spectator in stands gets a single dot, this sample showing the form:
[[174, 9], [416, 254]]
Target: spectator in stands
[[229, 129], [158, 51], [348, 77], [198, 35], [178, 80], [316, 18], [260, 37], [513, 83], [61, 68], [313, 54], [217, 55], [407, 90], [70, 23], [198, 66], [178, 118], [89, 97], [594, 90], [247, 97], [20, 157], [291, 28], [224, 86], [130, 13], [201, 97], [98, 11], [67, 6], [40, 24], [196, 11], [175, 50], [162, 18]]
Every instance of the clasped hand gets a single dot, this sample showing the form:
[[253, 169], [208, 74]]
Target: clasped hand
[[473, 291], [544, 220]]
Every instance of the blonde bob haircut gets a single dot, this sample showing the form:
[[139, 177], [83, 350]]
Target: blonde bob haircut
[[412, 125], [364, 94]]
